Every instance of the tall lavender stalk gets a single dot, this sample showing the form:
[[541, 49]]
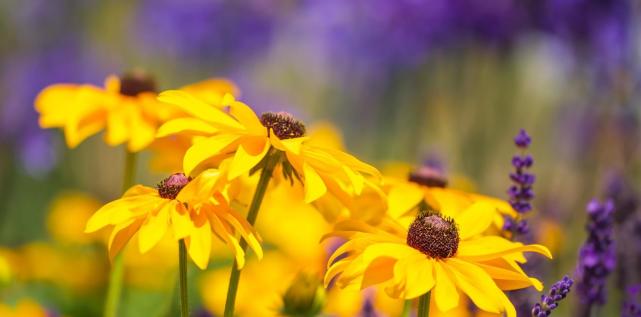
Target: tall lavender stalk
[[632, 308], [520, 192], [597, 257]]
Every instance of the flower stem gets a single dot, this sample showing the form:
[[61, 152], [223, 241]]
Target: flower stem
[[182, 259], [117, 270], [407, 307], [271, 161], [424, 305]]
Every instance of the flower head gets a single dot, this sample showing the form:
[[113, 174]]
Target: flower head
[[438, 254], [550, 301], [194, 210], [126, 108], [242, 138]]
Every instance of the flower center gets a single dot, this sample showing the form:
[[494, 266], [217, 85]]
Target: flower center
[[434, 235], [284, 125], [170, 187], [428, 176], [136, 82]]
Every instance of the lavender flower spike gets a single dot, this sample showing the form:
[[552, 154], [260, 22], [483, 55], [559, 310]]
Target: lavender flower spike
[[630, 307], [597, 257], [521, 192], [551, 301]]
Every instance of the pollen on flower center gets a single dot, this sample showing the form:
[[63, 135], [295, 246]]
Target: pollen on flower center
[[428, 176], [136, 82], [434, 235], [170, 187], [284, 125]]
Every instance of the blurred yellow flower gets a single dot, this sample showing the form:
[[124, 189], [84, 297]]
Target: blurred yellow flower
[[24, 308], [68, 214], [126, 108], [305, 296], [193, 210], [244, 139], [5, 271], [78, 269], [437, 254], [260, 290]]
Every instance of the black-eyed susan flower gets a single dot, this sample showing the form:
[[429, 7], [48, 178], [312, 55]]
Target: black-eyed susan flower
[[126, 108], [429, 186], [193, 210], [438, 254], [243, 138]]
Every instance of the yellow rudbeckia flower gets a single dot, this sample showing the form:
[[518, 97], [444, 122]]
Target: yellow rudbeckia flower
[[245, 139], [193, 210], [126, 108], [427, 185], [446, 256]]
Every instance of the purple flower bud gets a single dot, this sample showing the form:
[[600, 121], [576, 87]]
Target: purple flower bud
[[549, 302]]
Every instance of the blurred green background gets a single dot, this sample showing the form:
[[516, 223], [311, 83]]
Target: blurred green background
[[403, 80]]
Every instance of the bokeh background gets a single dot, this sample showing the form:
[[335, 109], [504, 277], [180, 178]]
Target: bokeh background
[[403, 81]]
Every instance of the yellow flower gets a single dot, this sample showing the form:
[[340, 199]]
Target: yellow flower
[[68, 214], [126, 108], [438, 254], [24, 308], [429, 186], [192, 210], [245, 139]]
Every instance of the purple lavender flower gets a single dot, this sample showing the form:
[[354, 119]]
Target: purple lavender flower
[[597, 257], [551, 301], [521, 192], [211, 30], [631, 307]]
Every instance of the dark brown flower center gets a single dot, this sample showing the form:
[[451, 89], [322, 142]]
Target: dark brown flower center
[[136, 82], [428, 176], [284, 125], [434, 235], [170, 187]]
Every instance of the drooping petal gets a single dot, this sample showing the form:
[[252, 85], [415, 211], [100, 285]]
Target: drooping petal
[[378, 271], [121, 234], [181, 223], [155, 226], [417, 270], [185, 125], [314, 185], [199, 245], [478, 285], [445, 293], [199, 109], [248, 155], [246, 116], [205, 149]]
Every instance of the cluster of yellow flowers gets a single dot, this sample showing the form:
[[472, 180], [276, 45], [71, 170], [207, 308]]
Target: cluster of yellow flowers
[[405, 237]]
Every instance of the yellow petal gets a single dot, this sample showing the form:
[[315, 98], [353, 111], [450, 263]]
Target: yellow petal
[[445, 293], [121, 234], [181, 223], [403, 198], [199, 245], [418, 273], [491, 247], [314, 185], [248, 155], [247, 118], [474, 220], [154, 227], [378, 271], [206, 148], [246, 231], [142, 134], [185, 125], [199, 109], [227, 236], [479, 286], [293, 145]]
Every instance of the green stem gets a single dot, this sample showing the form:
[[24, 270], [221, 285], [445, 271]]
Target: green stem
[[182, 259], [424, 305], [117, 270], [407, 307], [271, 160]]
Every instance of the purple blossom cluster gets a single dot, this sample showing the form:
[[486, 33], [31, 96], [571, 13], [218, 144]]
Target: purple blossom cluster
[[551, 301], [521, 192], [597, 257]]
